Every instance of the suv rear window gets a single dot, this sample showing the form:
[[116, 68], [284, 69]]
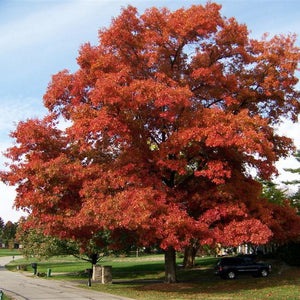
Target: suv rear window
[[230, 261]]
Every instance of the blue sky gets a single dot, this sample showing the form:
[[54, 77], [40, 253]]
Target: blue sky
[[38, 38]]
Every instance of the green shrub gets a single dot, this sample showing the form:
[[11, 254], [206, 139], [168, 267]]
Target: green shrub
[[290, 253], [22, 267]]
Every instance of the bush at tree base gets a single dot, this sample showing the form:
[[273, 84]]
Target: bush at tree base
[[290, 253]]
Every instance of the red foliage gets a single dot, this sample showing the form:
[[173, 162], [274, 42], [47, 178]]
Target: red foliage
[[168, 114]]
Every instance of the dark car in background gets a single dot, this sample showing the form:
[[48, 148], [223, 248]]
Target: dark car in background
[[231, 267]]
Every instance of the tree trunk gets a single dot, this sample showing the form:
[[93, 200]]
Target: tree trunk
[[189, 256], [170, 265], [94, 258]]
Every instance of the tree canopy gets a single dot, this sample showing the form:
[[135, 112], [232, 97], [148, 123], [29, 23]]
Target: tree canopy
[[167, 116]]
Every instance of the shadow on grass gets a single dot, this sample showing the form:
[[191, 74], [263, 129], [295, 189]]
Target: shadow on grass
[[123, 274], [141, 271], [150, 271], [202, 282], [156, 270]]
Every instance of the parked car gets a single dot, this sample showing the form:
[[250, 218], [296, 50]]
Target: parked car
[[230, 267]]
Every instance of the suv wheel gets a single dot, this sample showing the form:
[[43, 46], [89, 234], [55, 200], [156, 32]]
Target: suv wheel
[[264, 273], [231, 275]]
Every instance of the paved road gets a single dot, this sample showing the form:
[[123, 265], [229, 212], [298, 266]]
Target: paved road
[[20, 287]]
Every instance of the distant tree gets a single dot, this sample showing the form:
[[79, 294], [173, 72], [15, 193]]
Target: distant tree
[[1, 226], [167, 114], [9, 233], [273, 193], [294, 170], [1, 223], [295, 198]]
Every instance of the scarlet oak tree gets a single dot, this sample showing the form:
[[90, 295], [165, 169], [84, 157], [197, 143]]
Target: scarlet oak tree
[[168, 114]]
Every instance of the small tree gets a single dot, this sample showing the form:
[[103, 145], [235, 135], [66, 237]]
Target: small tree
[[9, 233], [36, 243]]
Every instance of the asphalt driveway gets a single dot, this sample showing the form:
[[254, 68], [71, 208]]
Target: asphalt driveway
[[20, 287]]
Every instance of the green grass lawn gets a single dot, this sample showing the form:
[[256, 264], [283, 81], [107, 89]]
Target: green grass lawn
[[9, 252], [63, 264], [142, 278], [129, 267]]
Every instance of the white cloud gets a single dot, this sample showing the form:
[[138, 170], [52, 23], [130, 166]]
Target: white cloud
[[45, 24], [13, 110], [291, 130], [7, 198]]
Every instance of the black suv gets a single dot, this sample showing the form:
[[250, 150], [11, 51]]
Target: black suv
[[230, 267]]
